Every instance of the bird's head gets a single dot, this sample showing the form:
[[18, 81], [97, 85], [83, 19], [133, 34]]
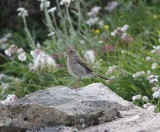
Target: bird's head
[[71, 52]]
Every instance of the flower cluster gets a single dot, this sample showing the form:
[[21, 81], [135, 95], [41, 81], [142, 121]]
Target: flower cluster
[[52, 10], [94, 11], [137, 97], [145, 100], [153, 79], [13, 49], [148, 58], [154, 66], [154, 89], [65, 2], [92, 16], [44, 4], [89, 55], [111, 69], [91, 21], [140, 97], [138, 74], [22, 12], [156, 49], [149, 107], [10, 99], [111, 6], [156, 94], [120, 31], [41, 61], [21, 54]]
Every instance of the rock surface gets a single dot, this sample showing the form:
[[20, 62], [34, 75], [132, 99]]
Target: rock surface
[[136, 120], [62, 109]]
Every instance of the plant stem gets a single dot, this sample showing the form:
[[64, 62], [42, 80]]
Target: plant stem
[[69, 19], [31, 41]]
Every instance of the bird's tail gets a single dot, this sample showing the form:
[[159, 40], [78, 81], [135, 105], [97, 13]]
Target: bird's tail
[[100, 76]]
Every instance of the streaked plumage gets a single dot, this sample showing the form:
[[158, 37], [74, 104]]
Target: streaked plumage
[[77, 67]]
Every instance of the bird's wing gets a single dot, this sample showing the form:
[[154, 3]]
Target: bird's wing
[[83, 63]]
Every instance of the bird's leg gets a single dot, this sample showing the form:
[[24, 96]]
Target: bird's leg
[[78, 81]]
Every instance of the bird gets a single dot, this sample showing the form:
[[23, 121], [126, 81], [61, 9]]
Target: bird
[[78, 68]]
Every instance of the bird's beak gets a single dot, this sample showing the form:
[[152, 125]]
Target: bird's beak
[[65, 54]]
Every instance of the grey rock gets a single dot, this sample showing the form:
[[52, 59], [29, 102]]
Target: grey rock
[[54, 129], [91, 105], [94, 108], [135, 120]]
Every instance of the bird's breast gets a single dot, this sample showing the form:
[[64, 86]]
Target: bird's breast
[[76, 69]]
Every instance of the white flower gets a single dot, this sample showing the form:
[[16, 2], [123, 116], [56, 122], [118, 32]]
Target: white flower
[[111, 69], [31, 67], [8, 52], [10, 99], [156, 94], [138, 74], [154, 66], [121, 31], [145, 106], [123, 35], [44, 4], [153, 78], [52, 10], [149, 107], [22, 12], [136, 97], [113, 33], [89, 55], [148, 58], [156, 49], [91, 21], [112, 6], [154, 89], [94, 11], [41, 60], [22, 56], [145, 98], [124, 28], [51, 34], [20, 50], [35, 52], [12, 49], [65, 2], [100, 42]]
